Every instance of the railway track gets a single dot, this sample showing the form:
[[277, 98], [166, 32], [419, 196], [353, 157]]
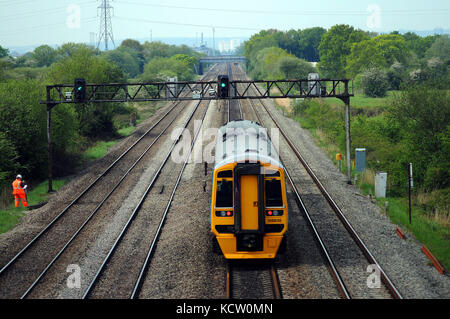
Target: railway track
[[328, 256], [137, 220], [249, 280], [252, 281], [234, 106], [25, 270]]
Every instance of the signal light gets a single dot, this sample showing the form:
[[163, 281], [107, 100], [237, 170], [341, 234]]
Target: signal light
[[80, 90], [224, 86]]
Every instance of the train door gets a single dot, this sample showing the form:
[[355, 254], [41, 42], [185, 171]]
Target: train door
[[249, 202], [249, 207]]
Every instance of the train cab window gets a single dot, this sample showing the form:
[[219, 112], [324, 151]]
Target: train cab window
[[273, 193], [271, 173], [228, 173], [224, 195]]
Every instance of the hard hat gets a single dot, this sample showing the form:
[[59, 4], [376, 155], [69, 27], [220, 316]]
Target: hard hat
[[19, 176]]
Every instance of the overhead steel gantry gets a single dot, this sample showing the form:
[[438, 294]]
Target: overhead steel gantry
[[198, 90]]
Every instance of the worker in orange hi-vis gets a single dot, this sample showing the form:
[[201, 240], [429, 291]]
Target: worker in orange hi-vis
[[19, 188]]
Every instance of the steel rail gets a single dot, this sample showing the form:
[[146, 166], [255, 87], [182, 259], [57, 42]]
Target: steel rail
[[96, 209], [323, 249], [272, 272], [139, 281], [83, 193], [276, 287], [238, 102], [57, 217], [228, 283], [369, 256], [137, 208], [365, 250]]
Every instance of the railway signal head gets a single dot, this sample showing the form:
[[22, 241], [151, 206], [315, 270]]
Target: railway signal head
[[223, 86], [80, 90]]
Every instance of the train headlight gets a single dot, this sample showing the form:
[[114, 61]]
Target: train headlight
[[274, 213], [223, 213]]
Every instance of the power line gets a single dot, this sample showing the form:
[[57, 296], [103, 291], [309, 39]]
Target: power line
[[187, 24], [12, 32], [38, 12], [291, 12]]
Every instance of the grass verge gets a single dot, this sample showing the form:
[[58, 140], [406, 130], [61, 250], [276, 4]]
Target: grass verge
[[11, 216], [427, 229], [435, 236], [98, 150]]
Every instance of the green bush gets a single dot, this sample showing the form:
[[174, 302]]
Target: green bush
[[375, 82], [23, 128], [93, 120]]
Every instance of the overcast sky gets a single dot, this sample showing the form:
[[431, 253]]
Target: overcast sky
[[25, 22]]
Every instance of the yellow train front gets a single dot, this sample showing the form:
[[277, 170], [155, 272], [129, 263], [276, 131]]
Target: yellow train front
[[249, 214]]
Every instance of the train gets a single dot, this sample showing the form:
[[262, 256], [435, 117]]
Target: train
[[249, 212]]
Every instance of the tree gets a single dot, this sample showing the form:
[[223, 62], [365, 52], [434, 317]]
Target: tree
[[256, 43], [94, 120], [8, 160], [159, 49], [418, 45], [288, 41], [440, 48], [380, 52], [3, 52], [5, 65], [334, 48], [375, 82], [127, 59], [309, 41], [295, 68], [44, 55], [423, 114], [136, 50], [67, 50], [158, 69], [23, 126], [132, 44], [267, 63], [396, 75]]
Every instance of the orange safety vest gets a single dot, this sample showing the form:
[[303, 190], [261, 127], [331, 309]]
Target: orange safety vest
[[17, 187]]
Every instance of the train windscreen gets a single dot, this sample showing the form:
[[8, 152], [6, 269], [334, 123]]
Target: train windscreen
[[224, 195], [273, 193]]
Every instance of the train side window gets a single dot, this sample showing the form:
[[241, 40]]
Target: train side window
[[224, 195], [273, 193]]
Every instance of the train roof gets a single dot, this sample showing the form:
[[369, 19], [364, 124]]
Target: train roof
[[240, 141]]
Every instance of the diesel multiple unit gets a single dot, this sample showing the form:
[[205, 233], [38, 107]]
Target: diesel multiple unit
[[249, 213]]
